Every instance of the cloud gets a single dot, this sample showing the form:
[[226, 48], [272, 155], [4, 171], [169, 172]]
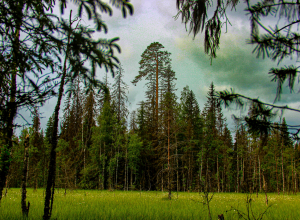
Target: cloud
[[235, 66]]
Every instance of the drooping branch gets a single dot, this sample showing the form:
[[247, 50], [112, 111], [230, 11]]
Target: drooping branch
[[262, 118]]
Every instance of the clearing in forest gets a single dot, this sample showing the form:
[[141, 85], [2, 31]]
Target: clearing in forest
[[98, 204]]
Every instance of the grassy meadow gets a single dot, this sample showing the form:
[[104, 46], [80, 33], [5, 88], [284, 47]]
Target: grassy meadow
[[94, 204]]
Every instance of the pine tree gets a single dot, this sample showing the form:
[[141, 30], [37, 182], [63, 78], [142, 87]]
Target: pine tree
[[152, 65]]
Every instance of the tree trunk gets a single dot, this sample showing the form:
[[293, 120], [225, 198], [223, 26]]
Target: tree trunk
[[177, 167], [218, 179], [259, 174], [11, 111], [99, 179], [295, 176], [162, 179], [243, 179], [223, 176], [254, 181], [277, 183], [66, 180], [292, 184], [125, 176], [283, 183], [52, 164], [201, 168], [237, 172], [83, 153], [131, 186], [25, 209], [169, 168], [265, 187], [116, 185], [206, 176], [156, 104]]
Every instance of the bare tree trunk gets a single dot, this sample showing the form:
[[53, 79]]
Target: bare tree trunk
[[259, 174], [292, 184], [117, 169], [177, 167], [276, 168], [127, 177], [254, 181], [66, 180], [125, 181], [25, 209], [52, 164], [223, 176], [265, 187], [189, 174], [162, 179], [156, 104], [237, 172], [103, 168], [82, 141], [243, 179], [218, 179], [169, 183], [126, 170], [201, 168], [100, 158], [283, 183], [206, 176], [295, 176]]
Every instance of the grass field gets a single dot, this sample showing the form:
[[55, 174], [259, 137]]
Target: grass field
[[94, 204]]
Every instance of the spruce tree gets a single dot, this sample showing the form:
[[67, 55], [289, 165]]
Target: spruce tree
[[190, 125], [168, 126], [119, 90], [211, 139]]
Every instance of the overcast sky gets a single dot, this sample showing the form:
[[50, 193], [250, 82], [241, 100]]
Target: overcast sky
[[235, 66]]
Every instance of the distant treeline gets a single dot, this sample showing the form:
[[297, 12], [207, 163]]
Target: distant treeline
[[99, 149]]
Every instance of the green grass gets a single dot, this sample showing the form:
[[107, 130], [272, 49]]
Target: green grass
[[94, 204]]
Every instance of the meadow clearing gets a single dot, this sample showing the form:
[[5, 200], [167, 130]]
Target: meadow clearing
[[95, 204]]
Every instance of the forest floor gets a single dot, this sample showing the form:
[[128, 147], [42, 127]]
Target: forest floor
[[96, 204]]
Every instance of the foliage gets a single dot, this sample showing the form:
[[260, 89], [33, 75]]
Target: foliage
[[277, 43]]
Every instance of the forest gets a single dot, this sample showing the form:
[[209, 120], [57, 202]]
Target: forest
[[169, 143], [172, 145]]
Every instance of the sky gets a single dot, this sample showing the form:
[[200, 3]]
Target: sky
[[235, 66]]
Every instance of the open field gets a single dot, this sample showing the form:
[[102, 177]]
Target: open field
[[94, 204]]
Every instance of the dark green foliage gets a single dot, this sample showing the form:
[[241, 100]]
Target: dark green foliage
[[120, 88], [277, 43], [194, 14], [195, 150]]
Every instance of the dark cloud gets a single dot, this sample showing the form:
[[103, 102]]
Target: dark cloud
[[235, 66]]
